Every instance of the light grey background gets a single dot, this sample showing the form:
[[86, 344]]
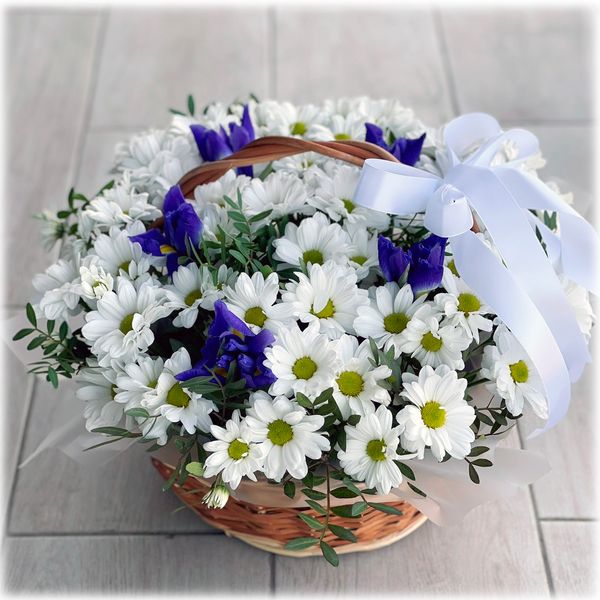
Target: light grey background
[[79, 81]]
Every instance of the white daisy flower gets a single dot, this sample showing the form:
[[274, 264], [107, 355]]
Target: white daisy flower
[[462, 307], [95, 282], [513, 376], [137, 380], [356, 383], [333, 195], [439, 417], [328, 295], [434, 344], [283, 118], [285, 434], [281, 193], [340, 127], [579, 299], [194, 288], [51, 229], [214, 217], [233, 453], [253, 300], [176, 403], [303, 361], [388, 315], [118, 255], [363, 254], [60, 286], [215, 192], [371, 448], [120, 326], [316, 240]]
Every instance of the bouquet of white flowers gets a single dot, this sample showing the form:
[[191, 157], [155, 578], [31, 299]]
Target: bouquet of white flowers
[[244, 294]]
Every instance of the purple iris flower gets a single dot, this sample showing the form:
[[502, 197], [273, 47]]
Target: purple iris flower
[[181, 223], [405, 150], [230, 339], [217, 144], [393, 260], [426, 264]]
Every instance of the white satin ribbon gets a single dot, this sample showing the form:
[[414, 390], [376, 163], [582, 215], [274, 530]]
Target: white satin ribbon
[[523, 288]]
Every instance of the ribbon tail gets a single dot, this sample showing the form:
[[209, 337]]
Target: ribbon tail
[[489, 278]]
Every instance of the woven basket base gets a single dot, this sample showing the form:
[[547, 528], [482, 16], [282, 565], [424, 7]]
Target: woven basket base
[[271, 527]]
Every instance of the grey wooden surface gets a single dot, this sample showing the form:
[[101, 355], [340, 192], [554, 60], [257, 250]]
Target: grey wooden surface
[[80, 81]]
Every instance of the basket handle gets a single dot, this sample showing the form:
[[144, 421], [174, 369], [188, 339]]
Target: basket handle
[[271, 148]]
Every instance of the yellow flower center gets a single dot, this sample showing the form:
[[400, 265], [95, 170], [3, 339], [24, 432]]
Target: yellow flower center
[[433, 415], [360, 260], [342, 136], [255, 316], [192, 297], [126, 324], [348, 205], [468, 303], [304, 368], [327, 311], [177, 397], [280, 432], [124, 266], [238, 450], [519, 372], [452, 267], [431, 343], [395, 322], [350, 383], [313, 256], [376, 450], [298, 128]]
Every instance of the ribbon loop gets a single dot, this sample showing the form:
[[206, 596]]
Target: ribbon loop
[[448, 212]]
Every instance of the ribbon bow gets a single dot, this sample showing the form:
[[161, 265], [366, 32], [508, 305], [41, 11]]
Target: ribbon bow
[[522, 286]]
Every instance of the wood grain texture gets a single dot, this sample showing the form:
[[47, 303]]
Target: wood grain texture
[[389, 53], [200, 564], [56, 494], [572, 556], [49, 73], [153, 58], [521, 64]]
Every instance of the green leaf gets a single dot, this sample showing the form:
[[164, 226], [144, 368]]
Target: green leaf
[[343, 492], [350, 485], [473, 474], [138, 412], [118, 431], [343, 533], [195, 468], [329, 553], [238, 256], [191, 105], [416, 490], [353, 420], [316, 507], [349, 510], [484, 418], [386, 508], [341, 439], [314, 494], [50, 326], [63, 330], [242, 227], [30, 312], [405, 470], [301, 543], [260, 216], [482, 462], [311, 521], [478, 450], [174, 111], [308, 481], [22, 333], [35, 342], [52, 377], [289, 489], [304, 401]]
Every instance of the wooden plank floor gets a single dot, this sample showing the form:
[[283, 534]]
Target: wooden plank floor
[[79, 81]]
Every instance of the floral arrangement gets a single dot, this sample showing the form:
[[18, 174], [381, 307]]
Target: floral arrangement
[[272, 327]]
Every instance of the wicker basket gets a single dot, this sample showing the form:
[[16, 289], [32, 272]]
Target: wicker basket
[[271, 520]]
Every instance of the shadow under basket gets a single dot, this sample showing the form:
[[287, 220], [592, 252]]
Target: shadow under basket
[[271, 527]]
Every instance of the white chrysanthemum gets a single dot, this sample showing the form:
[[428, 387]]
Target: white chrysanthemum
[[285, 434], [363, 254], [316, 240], [194, 288], [439, 417], [215, 192], [137, 380], [462, 307], [52, 229], [371, 448], [434, 344], [119, 328], [334, 193], [303, 361], [513, 375], [174, 402], [356, 383], [253, 300], [97, 391], [118, 255], [60, 286], [95, 282], [281, 193], [120, 205], [579, 299], [340, 127], [388, 315], [214, 218], [283, 118], [233, 453], [328, 295]]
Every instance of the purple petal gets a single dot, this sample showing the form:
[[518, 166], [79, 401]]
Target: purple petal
[[392, 259]]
